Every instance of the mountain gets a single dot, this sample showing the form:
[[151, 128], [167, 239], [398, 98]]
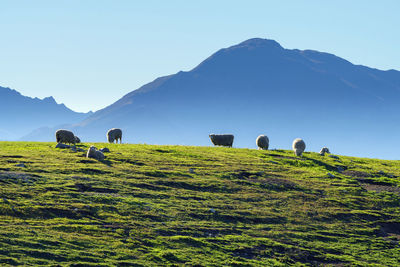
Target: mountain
[[259, 87], [22, 114]]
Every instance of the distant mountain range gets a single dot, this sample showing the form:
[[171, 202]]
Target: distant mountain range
[[22, 114], [258, 87]]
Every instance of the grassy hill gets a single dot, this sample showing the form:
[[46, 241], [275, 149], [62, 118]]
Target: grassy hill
[[177, 205]]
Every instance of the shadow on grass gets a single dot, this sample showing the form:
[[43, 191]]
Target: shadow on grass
[[106, 162]]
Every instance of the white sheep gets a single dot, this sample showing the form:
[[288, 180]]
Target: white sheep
[[94, 153], [298, 146], [65, 136], [222, 139], [114, 134], [262, 142], [324, 150]]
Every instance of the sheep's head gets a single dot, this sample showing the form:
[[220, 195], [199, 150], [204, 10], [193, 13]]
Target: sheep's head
[[298, 152]]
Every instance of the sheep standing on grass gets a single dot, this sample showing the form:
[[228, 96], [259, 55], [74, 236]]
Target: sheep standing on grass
[[222, 139], [94, 153], [65, 136], [298, 146], [114, 134], [262, 142], [324, 150]]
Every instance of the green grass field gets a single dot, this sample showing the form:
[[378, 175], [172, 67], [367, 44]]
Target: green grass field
[[148, 205]]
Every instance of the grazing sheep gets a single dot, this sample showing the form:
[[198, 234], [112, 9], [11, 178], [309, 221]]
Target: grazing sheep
[[262, 142], [298, 146], [77, 140], [222, 139], [324, 150], [65, 136], [94, 153], [114, 134]]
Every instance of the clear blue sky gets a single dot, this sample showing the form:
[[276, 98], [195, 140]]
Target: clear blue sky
[[88, 54]]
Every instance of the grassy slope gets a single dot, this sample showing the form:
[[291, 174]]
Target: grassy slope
[[143, 206]]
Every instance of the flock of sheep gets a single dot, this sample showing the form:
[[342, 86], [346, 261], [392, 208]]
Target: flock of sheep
[[68, 137], [115, 134], [262, 142]]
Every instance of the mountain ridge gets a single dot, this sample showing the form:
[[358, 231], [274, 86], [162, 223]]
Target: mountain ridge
[[259, 87], [25, 114]]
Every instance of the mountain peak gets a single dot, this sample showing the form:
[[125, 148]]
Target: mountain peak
[[259, 42], [265, 46], [49, 99]]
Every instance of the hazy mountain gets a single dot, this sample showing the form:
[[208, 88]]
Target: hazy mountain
[[22, 114], [258, 87]]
